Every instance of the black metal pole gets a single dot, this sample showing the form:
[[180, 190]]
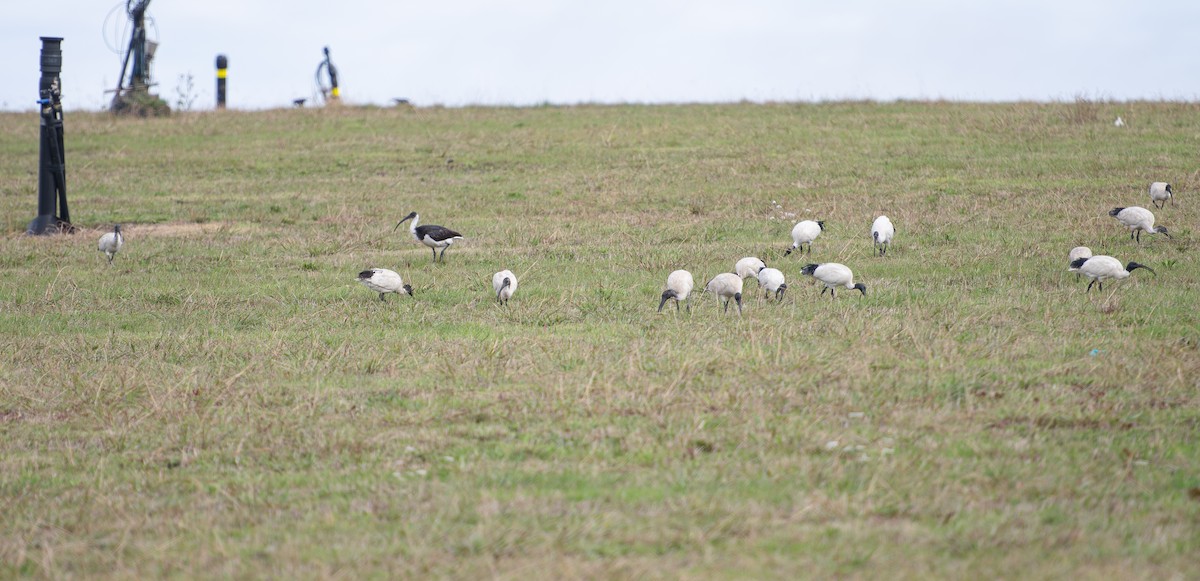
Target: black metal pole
[[52, 170], [222, 65]]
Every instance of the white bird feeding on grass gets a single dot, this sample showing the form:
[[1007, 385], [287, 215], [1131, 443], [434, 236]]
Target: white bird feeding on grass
[[679, 287], [726, 285], [805, 232], [505, 284], [771, 280], [749, 267], [882, 233], [1138, 220], [111, 243], [430, 235], [1161, 192], [1102, 268], [833, 275], [1075, 254], [384, 281]]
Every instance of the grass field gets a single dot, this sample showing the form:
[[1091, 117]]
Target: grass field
[[226, 401]]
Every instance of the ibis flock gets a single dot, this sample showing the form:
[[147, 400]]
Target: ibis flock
[[728, 286], [1099, 268]]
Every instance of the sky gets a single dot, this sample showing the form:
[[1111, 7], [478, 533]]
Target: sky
[[528, 52]]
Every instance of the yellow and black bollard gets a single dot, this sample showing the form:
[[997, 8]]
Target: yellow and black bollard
[[222, 65]]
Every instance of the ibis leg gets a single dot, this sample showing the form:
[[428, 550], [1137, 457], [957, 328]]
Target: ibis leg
[[1089, 289], [726, 306], [676, 305], [381, 295], [434, 250]]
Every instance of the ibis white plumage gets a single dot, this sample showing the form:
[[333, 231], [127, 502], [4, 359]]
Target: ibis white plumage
[[772, 281], [1160, 192], [833, 275], [882, 233], [1101, 268], [384, 281], [430, 235], [749, 267], [804, 232], [111, 243], [1138, 220], [726, 285], [505, 284], [679, 288]]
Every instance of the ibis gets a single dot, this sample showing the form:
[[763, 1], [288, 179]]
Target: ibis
[[1138, 220], [384, 281], [505, 284], [749, 267], [882, 233], [430, 235], [1075, 254], [679, 288], [833, 275], [1161, 192], [771, 281], [111, 243], [726, 285], [805, 232], [1102, 268]]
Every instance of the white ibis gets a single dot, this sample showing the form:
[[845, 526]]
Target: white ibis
[[505, 284], [882, 233], [1075, 254], [1102, 268], [749, 267], [430, 235], [805, 232], [771, 280], [1161, 192], [1138, 220], [726, 285], [111, 243], [833, 275], [679, 288], [384, 281]]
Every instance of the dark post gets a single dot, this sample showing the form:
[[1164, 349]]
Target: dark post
[[52, 162], [222, 64]]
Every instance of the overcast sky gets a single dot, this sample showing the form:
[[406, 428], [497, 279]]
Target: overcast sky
[[521, 52]]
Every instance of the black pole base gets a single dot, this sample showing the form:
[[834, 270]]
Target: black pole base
[[49, 224]]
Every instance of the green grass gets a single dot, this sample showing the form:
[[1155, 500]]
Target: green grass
[[226, 400]]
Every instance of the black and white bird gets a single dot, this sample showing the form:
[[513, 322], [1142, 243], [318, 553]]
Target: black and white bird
[[111, 243], [1138, 220], [1102, 268], [771, 280], [726, 285], [833, 275], [384, 281], [1075, 254], [679, 288], [430, 235], [749, 267], [1161, 192], [804, 232], [505, 284], [882, 233]]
